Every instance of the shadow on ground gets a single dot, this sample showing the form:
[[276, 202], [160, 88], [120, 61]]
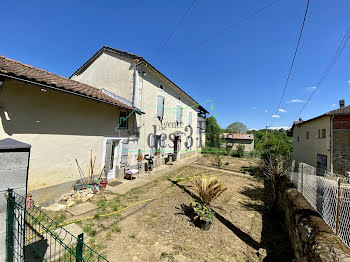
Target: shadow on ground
[[274, 236]]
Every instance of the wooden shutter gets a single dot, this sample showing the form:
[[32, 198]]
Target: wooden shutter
[[190, 118], [160, 106], [108, 154], [124, 154], [178, 113]]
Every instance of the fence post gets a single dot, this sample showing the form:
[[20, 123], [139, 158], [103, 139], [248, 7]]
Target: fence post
[[9, 225], [79, 249], [337, 214], [302, 179]]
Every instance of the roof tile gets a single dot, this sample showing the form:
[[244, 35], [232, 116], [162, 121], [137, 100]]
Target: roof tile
[[14, 68]]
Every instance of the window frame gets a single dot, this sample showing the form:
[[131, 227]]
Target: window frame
[[126, 121]]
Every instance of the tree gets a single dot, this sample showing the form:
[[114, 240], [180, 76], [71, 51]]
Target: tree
[[212, 131], [237, 127]]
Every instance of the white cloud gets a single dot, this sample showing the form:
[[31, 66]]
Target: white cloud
[[276, 116], [266, 110], [349, 81], [254, 107], [279, 127], [311, 88], [333, 105], [296, 101], [282, 110]]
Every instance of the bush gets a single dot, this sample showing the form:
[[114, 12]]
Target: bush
[[240, 150]]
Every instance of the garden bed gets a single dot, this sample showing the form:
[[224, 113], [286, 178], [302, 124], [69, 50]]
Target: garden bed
[[161, 230]]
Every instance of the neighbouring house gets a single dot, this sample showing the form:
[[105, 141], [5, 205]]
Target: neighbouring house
[[324, 141], [116, 105], [61, 119], [232, 141]]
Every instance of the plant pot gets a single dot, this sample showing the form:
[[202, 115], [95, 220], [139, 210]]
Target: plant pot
[[139, 158], [103, 184], [203, 224]]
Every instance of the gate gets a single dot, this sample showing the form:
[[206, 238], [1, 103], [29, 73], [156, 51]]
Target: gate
[[31, 235]]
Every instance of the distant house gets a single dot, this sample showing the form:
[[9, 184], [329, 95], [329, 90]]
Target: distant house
[[233, 140], [324, 141]]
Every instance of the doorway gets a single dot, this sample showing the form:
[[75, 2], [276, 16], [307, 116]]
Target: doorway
[[111, 158], [177, 147]]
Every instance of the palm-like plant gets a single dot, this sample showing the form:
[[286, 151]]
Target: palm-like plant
[[208, 188]]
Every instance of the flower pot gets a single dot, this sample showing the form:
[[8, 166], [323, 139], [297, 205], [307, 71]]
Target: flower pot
[[203, 224], [103, 184], [139, 158]]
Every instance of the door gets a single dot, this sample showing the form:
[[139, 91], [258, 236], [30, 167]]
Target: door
[[110, 157], [321, 164]]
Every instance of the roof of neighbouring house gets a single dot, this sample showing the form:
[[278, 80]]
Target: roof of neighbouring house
[[237, 136], [19, 71], [340, 111], [132, 56]]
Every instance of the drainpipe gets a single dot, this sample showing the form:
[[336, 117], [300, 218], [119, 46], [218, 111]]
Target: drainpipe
[[331, 144], [134, 87]]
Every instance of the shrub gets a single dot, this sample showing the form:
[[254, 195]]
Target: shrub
[[202, 211], [208, 188], [240, 150]]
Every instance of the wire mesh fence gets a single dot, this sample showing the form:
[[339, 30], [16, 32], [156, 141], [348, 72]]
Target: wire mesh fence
[[34, 236], [329, 195]]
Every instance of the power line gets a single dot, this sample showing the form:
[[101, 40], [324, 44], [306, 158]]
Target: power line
[[328, 68], [173, 31], [295, 54], [237, 23]]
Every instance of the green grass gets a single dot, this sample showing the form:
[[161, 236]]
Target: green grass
[[115, 227], [90, 230], [132, 236]]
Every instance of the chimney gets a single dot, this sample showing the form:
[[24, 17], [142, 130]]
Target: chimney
[[300, 119], [341, 103]]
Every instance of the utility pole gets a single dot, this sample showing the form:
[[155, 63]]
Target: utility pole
[[266, 134]]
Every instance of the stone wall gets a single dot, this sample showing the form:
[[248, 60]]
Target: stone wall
[[341, 151], [312, 239]]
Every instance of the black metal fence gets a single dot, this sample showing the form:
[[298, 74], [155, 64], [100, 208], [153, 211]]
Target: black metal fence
[[31, 235]]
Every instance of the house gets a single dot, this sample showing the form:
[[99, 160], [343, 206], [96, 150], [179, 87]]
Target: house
[[116, 105], [232, 141], [172, 123], [324, 141]]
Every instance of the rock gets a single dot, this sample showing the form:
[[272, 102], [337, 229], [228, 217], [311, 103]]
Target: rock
[[262, 253]]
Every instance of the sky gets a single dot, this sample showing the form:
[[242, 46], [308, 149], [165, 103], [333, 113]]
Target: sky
[[242, 70]]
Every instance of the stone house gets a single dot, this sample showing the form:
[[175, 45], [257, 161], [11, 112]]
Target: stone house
[[232, 141], [324, 141]]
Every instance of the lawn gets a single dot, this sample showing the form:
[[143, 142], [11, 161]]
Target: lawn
[[160, 230]]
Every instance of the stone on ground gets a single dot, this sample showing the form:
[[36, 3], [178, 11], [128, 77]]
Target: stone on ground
[[54, 207], [81, 208]]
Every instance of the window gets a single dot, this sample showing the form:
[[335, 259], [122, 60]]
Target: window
[[298, 139], [179, 98], [319, 134], [178, 114], [323, 133], [123, 120], [307, 135], [161, 86], [190, 118], [160, 106]]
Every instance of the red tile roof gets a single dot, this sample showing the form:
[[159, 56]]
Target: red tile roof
[[237, 136], [12, 68], [340, 111]]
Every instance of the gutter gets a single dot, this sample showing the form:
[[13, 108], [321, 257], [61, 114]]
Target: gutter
[[66, 91]]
